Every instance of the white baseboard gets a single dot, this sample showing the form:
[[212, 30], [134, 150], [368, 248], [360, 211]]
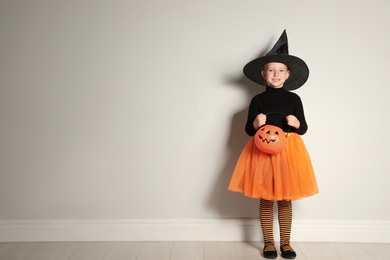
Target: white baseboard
[[189, 230]]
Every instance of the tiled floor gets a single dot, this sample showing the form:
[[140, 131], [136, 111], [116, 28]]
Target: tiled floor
[[184, 251]]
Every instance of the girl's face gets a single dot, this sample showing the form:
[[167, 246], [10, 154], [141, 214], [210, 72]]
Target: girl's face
[[275, 74]]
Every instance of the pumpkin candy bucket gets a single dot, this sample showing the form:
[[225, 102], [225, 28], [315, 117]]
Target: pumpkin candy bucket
[[270, 139]]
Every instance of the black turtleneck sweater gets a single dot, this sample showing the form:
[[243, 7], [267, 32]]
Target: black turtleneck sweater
[[282, 102]]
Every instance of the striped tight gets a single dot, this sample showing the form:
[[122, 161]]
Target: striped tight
[[266, 216]]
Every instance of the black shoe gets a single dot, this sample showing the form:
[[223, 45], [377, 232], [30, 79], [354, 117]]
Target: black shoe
[[288, 253], [269, 254]]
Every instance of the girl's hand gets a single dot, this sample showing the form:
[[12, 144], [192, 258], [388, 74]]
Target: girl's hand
[[293, 121], [259, 121]]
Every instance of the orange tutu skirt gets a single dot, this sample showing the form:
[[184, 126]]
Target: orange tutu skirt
[[288, 175]]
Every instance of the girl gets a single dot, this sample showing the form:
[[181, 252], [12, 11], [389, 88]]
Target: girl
[[287, 175]]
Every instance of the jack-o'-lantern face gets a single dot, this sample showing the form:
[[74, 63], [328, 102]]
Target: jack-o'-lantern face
[[270, 139]]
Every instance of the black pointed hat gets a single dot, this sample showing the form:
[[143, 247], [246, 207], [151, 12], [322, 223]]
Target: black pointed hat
[[299, 72]]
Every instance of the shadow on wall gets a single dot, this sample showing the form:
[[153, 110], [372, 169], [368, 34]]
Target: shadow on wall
[[226, 203]]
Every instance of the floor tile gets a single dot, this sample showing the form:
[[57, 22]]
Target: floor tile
[[248, 250], [24, 250], [123, 250], [58, 250], [7, 248], [91, 250], [317, 251], [349, 251], [220, 251], [187, 251], [155, 251], [378, 251]]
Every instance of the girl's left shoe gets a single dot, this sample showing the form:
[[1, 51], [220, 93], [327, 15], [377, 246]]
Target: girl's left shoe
[[287, 252]]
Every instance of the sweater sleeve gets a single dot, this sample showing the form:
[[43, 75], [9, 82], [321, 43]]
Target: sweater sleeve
[[300, 114], [252, 113]]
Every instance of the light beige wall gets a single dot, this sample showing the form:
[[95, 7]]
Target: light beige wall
[[136, 109]]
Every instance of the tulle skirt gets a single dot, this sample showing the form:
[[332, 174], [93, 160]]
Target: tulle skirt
[[288, 175]]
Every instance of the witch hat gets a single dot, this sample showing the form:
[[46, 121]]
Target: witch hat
[[299, 72]]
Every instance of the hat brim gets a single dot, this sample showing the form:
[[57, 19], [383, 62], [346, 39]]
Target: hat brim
[[299, 71]]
